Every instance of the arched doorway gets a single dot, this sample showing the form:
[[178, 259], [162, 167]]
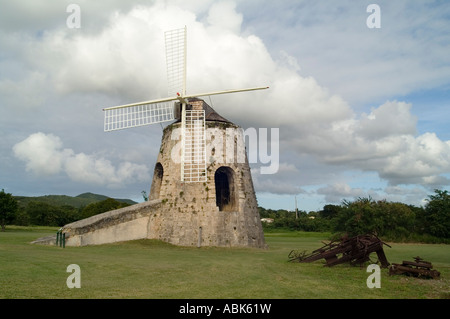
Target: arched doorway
[[225, 189], [158, 174]]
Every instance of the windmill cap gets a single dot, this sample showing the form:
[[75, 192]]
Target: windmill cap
[[210, 113]]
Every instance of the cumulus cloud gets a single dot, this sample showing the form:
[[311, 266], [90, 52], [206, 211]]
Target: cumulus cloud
[[233, 20], [391, 118], [383, 141], [421, 160], [44, 154]]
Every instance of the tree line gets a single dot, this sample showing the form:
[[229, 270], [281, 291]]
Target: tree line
[[39, 213], [390, 220]]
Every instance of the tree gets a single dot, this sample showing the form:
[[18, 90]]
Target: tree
[[8, 208], [358, 217], [437, 214], [42, 214], [381, 217], [330, 211]]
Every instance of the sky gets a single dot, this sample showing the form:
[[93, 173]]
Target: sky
[[360, 96]]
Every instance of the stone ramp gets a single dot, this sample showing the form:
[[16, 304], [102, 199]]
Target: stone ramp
[[128, 223], [48, 240]]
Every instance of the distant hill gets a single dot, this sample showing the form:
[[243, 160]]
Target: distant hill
[[97, 198], [61, 200]]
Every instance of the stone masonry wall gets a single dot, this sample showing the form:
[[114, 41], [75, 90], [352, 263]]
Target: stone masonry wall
[[189, 214], [128, 223]]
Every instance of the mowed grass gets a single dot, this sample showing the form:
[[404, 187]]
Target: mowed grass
[[153, 270]]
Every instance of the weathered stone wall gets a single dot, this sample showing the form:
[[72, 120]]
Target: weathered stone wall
[[128, 223], [189, 214]]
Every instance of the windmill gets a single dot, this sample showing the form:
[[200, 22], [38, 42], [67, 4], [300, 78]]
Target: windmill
[[174, 107], [220, 211]]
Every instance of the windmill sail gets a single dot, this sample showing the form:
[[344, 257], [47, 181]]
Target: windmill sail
[[140, 114], [158, 111], [176, 61]]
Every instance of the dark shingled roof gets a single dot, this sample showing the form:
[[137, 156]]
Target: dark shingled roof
[[210, 113]]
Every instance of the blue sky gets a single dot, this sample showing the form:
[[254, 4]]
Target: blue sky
[[361, 111], [430, 107]]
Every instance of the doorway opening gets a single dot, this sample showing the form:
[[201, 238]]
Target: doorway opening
[[225, 189]]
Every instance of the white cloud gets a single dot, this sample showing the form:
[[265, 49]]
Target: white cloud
[[223, 15], [391, 118], [422, 160], [44, 155], [383, 141]]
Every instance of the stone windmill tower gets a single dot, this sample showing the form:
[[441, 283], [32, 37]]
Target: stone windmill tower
[[202, 191], [219, 208]]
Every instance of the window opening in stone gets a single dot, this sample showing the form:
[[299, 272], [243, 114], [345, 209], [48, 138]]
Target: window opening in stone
[[157, 181]]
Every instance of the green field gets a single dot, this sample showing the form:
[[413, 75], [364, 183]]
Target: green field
[[152, 270]]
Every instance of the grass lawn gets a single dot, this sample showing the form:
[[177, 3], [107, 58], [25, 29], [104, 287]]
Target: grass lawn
[[152, 269]]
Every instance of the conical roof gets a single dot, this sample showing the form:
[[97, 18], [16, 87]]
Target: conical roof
[[210, 113]]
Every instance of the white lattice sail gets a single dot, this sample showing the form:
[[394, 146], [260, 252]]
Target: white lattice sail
[[176, 61], [117, 118]]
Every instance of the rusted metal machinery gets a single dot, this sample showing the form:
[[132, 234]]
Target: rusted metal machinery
[[416, 268], [355, 250]]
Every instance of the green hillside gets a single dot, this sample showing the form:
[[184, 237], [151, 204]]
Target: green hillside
[[97, 198], [64, 200]]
